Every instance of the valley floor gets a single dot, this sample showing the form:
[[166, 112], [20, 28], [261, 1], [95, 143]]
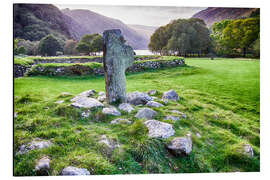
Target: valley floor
[[220, 97]]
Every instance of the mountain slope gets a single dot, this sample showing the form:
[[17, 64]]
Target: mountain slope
[[146, 31], [211, 15], [34, 21], [93, 22]]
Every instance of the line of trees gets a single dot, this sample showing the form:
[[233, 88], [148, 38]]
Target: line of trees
[[182, 37], [90, 44]]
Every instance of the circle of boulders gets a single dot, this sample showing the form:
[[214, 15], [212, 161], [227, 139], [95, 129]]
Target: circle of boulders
[[170, 95], [181, 145], [74, 171], [111, 111], [159, 129], [154, 104], [126, 107], [146, 113]]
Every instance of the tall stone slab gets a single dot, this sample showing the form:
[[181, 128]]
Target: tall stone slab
[[117, 57]]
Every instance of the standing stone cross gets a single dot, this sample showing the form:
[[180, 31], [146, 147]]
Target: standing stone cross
[[117, 57]]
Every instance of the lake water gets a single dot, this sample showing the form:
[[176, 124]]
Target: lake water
[[143, 52]]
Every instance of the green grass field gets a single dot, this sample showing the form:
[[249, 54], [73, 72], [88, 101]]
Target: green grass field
[[221, 99]]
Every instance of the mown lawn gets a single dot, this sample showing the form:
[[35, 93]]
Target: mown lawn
[[221, 99]]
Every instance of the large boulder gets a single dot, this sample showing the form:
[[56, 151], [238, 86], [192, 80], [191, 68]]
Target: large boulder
[[170, 95], [111, 111], [146, 113], [126, 107], [154, 104], [117, 57], [35, 144], [137, 98], [181, 145], [42, 166], [74, 171], [159, 129]]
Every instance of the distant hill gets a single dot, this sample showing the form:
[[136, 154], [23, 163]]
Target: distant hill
[[211, 15], [34, 21], [93, 22], [146, 31]]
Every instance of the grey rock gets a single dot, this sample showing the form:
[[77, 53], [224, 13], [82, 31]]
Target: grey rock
[[117, 58], [159, 129], [84, 94], [108, 144], [120, 121], [146, 113], [154, 104], [59, 102], [174, 118], [43, 166], [111, 111], [198, 135], [137, 98], [181, 113], [101, 98], [86, 114], [152, 92], [165, 101], [170, 95], [86, 102], [101, 93], [35, 144], [74, 171], [248, 150], [126, 107], [15, 115], [181, 145]]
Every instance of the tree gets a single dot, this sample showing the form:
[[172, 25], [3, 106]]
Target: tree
[[181, 36], [21, 50], [49, 45], [69, 47], [29, 46], [90, 43]]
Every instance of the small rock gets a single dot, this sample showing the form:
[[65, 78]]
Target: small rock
[[101, 98], [120, 121], [110, 145], [178, 112], [174, 118], [152, 92], [137, 98], [154, 104], [74, 171], [59, 102], [35, 144], [181, 145], [111, 111], [198, 135], [42, 166], [248, 150], [86, 94], [86, 102], [170, 95], [126, 107], [159, 129], [146, 113], [86, 114], [15, 115], [102, 93]]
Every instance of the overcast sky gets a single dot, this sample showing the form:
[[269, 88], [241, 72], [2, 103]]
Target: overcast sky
[[143, 15]]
